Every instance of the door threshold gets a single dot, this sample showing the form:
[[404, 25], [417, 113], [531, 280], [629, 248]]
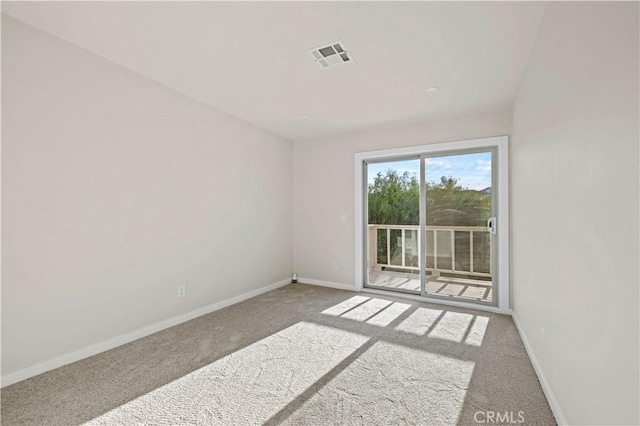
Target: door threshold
[[437, 301]]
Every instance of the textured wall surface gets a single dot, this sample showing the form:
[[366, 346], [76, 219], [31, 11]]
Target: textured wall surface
[[115, 191]]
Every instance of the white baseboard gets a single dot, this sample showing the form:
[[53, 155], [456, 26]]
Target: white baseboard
[[553, 402], [97, 348], [339, 286]]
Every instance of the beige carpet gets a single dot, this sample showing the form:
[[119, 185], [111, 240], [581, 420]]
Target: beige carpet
[[300, 355]]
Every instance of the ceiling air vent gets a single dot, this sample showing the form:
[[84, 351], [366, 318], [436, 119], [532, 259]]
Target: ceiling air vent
[[330, 55]]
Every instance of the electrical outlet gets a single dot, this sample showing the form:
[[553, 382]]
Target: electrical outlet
[[182, 290], [343, 217], [334, 266]]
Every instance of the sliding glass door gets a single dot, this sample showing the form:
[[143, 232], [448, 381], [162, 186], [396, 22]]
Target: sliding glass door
[[393, 225], [459, 210], [430, 225]]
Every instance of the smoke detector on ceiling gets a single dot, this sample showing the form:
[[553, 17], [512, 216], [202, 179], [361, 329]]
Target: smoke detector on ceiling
[[331, 55]]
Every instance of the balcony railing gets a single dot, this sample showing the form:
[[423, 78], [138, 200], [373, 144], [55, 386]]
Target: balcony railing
[[460, 250]]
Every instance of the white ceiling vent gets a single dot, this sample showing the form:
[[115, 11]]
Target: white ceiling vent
[[331, 54]]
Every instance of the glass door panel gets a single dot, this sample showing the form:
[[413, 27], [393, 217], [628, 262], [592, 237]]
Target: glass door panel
[[393, 224], [459, 248]]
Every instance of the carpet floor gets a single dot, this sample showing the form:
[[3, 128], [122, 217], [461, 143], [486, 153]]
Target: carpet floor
[[300, 354]]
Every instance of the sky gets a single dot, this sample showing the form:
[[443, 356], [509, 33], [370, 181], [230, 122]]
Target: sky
[[473, 171]]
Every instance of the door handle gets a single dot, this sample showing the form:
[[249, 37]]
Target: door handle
[[491, 224]]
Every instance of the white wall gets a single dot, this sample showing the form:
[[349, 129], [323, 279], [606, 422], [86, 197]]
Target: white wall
[[116, 190], [324, 186], [575, 209]]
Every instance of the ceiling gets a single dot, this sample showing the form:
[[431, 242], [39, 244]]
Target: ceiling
[[250, 59]]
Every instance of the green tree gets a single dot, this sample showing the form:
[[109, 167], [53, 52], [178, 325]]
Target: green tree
[[394, 199], [450, 204]]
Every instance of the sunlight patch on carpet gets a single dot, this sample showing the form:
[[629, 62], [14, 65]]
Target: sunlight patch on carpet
[[420, 321], [452, 326], [384, 317], [477, 331], [374, 311], [345, 306], [246, 387], [391, 384]]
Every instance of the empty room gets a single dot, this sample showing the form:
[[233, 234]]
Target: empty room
[[320, 213]]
